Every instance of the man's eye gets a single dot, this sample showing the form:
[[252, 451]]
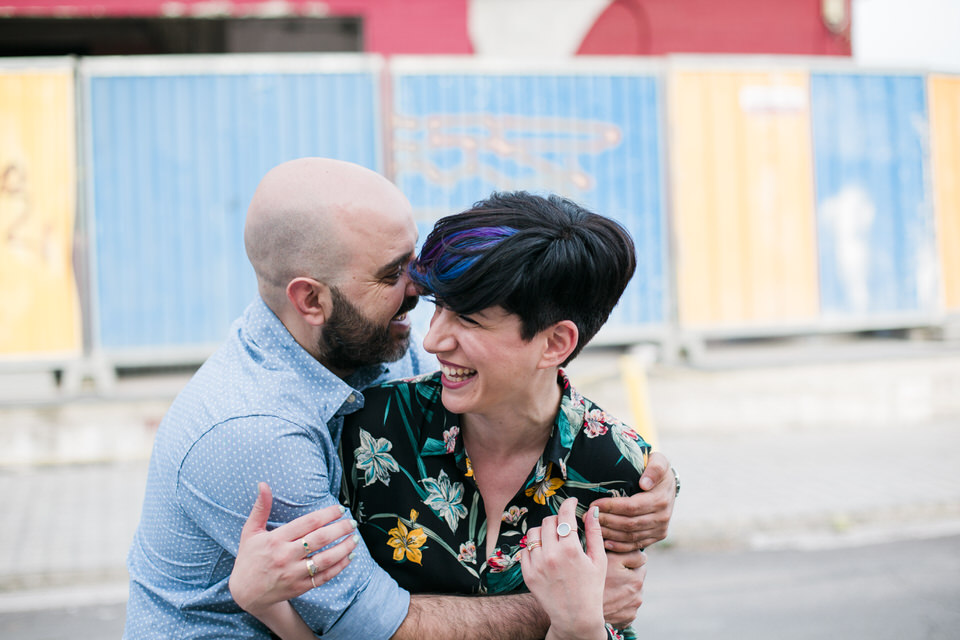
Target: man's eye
[[468, 320]]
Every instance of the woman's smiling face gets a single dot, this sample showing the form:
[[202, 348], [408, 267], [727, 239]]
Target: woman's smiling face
[[486, 365]]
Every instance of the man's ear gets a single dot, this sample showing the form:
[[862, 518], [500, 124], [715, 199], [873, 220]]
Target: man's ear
[[311, 299], [561, 339]]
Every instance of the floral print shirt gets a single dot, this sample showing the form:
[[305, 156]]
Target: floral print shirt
[[409, 482]]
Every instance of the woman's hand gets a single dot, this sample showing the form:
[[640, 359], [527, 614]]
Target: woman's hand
[[272, 566], [567, 582]]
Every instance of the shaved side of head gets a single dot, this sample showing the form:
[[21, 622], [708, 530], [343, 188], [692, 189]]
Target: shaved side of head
[[302, 218]]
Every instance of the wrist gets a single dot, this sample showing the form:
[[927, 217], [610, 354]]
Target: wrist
[[594, 631], [578, 629]]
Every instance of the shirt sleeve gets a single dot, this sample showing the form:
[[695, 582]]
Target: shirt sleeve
[[217, 486]]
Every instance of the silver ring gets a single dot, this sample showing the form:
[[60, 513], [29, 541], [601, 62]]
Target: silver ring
[[563, 529], [311, 568]]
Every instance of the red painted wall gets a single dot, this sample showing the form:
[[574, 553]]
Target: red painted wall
[[645, 27], [389, 26], [653, 27]]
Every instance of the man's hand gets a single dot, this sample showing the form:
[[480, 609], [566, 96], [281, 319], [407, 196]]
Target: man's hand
[[623, 588], [643, 518]]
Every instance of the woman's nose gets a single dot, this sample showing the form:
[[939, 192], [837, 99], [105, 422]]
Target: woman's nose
[[438, 338]]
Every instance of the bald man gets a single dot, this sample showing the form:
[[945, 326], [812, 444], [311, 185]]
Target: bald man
[[329, 242]]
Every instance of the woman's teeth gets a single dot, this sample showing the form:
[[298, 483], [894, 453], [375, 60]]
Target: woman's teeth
[[456, 374]]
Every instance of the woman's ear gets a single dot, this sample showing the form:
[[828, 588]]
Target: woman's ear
[[562, 338], [311, 300]]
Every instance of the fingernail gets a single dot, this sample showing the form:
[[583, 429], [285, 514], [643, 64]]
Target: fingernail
[[596, 512], [343, 509], [356, 538], [353, 523], [351, 556]]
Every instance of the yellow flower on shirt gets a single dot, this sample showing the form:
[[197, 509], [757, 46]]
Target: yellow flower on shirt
[[543, 485], [406, 543]]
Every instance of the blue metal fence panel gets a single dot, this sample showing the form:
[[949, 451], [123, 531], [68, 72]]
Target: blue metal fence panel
[[176, 149], [874, 214], [590, 131]]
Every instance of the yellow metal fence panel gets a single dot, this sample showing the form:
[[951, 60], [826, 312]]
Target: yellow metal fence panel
[[39, 312], [742, 194], [944, 97]]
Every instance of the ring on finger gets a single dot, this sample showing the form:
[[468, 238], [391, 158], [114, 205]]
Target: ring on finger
[[311, 568], [315, 585], [563, 529], [306, 545], [533, 544]]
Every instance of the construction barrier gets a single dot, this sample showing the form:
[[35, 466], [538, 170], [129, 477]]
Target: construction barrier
[[742, 197], [765, 195], [39, 304], [875, 223], [176, 147], [944, 98]]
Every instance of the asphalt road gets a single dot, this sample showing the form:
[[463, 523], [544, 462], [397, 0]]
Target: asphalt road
[[893, 591]]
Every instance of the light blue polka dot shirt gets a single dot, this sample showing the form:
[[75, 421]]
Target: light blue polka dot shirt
[[260, 409]]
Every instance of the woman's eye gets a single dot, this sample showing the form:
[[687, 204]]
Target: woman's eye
[[468, 320]]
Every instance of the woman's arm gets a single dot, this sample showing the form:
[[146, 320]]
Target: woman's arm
[[272, 566], [567, 582]]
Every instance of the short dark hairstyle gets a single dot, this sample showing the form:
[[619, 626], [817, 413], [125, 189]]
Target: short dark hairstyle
[[545, 259]]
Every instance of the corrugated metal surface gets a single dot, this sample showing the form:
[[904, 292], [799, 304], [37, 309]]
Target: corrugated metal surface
[[177, 148], [742, 197], [875, 220], [945, 152], [39, 308], [589, 131]]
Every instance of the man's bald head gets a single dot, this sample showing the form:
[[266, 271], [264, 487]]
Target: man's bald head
[[307, 216]]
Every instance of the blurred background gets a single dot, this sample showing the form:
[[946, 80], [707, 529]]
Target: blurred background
[[789, 170]]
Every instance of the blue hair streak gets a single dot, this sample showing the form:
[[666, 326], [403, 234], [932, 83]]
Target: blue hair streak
[[444, 260]]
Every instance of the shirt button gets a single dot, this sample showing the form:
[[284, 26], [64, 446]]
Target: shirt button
[[351, 398]]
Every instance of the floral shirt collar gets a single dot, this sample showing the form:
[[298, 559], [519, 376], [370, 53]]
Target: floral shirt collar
[[570, 419]]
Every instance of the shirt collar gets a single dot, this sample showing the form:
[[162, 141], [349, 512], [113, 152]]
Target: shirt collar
[[268, 339], [566, 426]]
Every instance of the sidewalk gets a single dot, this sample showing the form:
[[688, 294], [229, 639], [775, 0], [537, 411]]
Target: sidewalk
[[782, 448]]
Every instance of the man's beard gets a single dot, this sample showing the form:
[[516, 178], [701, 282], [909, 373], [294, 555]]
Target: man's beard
[[350, 340]]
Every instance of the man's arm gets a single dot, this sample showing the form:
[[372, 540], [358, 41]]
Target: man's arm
[[642, 519], [510, 617]]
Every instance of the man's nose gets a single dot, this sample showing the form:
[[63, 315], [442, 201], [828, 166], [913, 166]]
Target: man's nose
[[411, 289]]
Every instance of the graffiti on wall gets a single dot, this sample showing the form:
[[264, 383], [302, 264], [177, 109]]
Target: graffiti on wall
[[22, 232], [507, 151]]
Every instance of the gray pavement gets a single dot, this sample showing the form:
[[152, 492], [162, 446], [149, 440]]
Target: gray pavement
[[797, 446]]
